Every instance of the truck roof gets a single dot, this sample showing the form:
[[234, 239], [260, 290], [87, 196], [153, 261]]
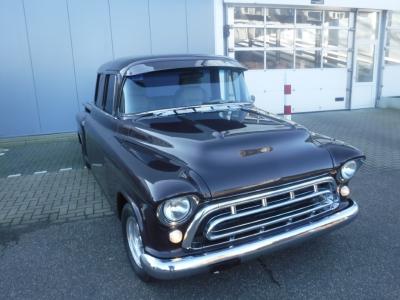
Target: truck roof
[[129, 66]]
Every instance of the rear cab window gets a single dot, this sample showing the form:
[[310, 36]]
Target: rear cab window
[[109, 93], [105, 91], [99, 95]]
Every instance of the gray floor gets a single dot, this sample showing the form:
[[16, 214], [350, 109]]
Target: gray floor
[[76, 251]]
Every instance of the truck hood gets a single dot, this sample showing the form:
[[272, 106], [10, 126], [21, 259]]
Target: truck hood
[[234, 150]]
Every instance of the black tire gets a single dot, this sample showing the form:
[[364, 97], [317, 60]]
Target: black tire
[[127, 213]]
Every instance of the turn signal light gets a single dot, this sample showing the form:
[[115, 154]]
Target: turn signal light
[[344, 191], [175, 236]]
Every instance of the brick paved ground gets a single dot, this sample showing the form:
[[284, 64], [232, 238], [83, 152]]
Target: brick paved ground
[[69, 192], [46, 182], [50, 154], [375, 131]]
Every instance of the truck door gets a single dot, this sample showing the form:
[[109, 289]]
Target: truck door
[[100, 127]]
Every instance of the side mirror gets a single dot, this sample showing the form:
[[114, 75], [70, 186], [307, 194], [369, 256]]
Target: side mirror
[[88, 107], [252, 98]]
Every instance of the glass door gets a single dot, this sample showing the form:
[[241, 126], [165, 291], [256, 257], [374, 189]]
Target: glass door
[[365, 64]]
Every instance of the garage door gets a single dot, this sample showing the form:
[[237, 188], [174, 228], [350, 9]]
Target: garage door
[[306, 48]]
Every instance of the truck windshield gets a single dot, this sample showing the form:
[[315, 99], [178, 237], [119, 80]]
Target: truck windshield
[[181, 88]]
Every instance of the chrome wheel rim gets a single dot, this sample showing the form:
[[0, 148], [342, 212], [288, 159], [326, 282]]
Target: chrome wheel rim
[[134, 240]]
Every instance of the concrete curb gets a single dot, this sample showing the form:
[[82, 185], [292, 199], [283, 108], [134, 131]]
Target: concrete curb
[[39, 138]]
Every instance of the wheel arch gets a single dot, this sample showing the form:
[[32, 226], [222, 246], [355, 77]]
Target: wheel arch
[[122, 199]]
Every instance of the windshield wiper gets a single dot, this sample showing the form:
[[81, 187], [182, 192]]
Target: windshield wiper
[[178, 110], [218, 101], [144, 115]]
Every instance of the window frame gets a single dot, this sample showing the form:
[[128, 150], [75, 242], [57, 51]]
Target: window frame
[[324, 48], [96, 90], [105, 93], [99, 102], [390, 28]]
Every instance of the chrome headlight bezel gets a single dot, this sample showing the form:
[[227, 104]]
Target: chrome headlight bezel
[[348, 170], [190, 200]]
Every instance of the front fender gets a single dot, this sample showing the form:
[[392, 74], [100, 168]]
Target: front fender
[[162, 176], [340, 151]]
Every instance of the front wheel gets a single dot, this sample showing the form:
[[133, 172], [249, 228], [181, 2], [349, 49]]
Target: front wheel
[[133, 241]]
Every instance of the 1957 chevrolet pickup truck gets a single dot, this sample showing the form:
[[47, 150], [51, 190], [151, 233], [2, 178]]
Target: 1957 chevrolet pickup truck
[[200, 177]]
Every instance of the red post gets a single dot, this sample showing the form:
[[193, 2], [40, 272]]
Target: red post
[[287, 89], [287, 110]]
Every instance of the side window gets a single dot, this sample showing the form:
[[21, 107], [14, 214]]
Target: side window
[[110, 83], [99, 90]]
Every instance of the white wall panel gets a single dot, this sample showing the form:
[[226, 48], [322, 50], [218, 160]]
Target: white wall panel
[[391, 87], [312, 89], [363, 96], [267, 87], [316, 89], [52, 62], [91, 42], [130, 21], [168, 26], [18, 110]]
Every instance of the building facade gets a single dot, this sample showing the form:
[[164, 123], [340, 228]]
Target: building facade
[[334, 54]]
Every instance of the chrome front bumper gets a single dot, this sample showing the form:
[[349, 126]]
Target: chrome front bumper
[[191, 265]]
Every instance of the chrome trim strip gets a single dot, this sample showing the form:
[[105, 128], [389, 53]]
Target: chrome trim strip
[[226, 243], [190, 265], [213, 235], [264, 208], [192, 108], [201, 214]]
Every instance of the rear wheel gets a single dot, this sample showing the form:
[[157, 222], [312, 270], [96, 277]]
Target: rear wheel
[[133, 241]]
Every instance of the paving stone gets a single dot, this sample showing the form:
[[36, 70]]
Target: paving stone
[[374, 131], [32, 156], [51, 201]]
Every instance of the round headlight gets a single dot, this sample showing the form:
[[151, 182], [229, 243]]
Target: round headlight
[[175, 211], [348, 170]]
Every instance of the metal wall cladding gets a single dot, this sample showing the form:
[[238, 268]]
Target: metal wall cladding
[[50, 51]]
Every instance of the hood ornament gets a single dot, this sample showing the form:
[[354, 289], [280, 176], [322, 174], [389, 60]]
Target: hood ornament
[[250, 152]]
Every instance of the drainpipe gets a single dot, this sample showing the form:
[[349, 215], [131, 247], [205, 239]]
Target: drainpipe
[[381, 56], [352, 52]]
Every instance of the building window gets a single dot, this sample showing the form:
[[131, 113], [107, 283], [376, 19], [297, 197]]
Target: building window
[[249, 37], [283, 37], [392, 55], [252, 60], [279, 16], [366, 35], [249, 16], [280, 59], [289, 38]]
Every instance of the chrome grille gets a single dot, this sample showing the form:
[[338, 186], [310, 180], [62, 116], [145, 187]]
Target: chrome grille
[[262, 213]]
